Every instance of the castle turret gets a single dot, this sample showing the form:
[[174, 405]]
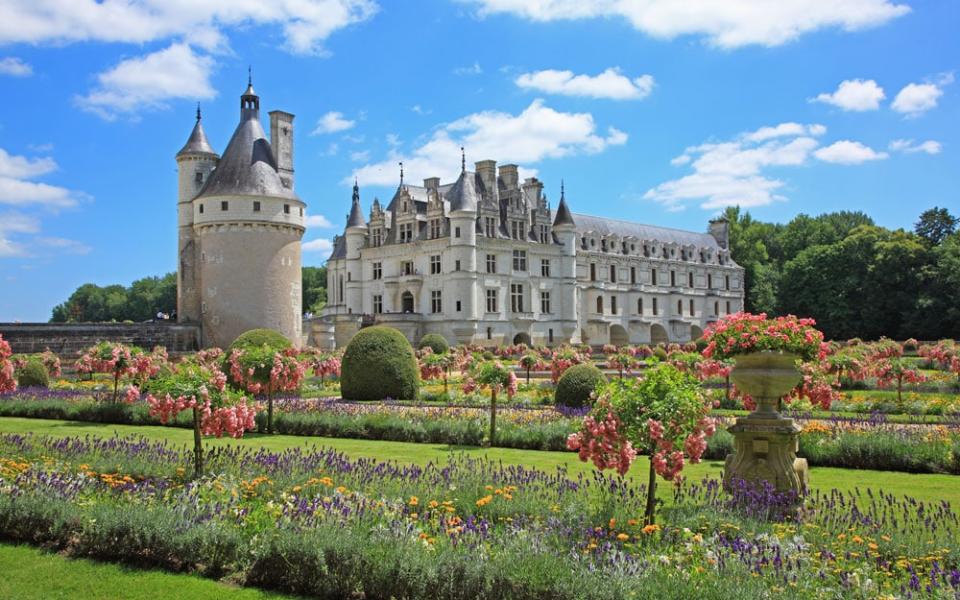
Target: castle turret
[[564, 228], [464, 199], [248, 225], [356, 236], [195, 161]]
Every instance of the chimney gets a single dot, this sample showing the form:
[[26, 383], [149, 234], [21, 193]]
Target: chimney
[[431, 183], [281, 141], [508, 174], [487, 170]]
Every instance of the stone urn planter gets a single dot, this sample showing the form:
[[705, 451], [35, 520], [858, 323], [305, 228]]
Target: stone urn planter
[[765, 442]]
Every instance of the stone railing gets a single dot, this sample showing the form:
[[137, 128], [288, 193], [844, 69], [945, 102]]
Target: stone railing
[[66, 339]]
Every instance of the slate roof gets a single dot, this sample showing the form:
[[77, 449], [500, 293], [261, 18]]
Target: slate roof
[[197, 143], [247, 167], [463, 195], [563, 216], [604, 226]]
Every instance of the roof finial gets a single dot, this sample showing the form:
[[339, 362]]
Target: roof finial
[[249, 75], [198, 112], [561, 189], [463, 160], [401, 172]]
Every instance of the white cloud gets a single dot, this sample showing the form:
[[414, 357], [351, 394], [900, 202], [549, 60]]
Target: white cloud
[[536, 134], [318, 221], [723, 24], [305, 25], [854, 95], [917, 98], [611, 84], [332, 122], [420, 110], [733, 172], [63, 245], [360, 156], [474, 69], [321, 245], [11, 65], [19, 223], [149, 81], [909, 147], [17, 189], [846, 152]]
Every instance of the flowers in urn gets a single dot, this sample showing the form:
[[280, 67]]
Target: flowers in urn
[[745, 333]]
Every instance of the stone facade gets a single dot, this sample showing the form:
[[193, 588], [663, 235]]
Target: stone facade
[[240, 226], [484, 260]]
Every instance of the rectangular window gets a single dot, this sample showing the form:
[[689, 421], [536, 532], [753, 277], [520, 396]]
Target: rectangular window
[[435, 264], [593, 271], [673, 279], [377, 270], [545, 302], [653, 277], [458, 306], [655, 311], [680, 307], [545, 268], [728, 307], [516, 297], [489, 333], [727, 283], [201, 209], [286, 209], [516, 230], [550, 335], [406, 233], [377, 304], [456, 265], [491, 263], [691, 307], [633, 275], [377, 238], [224, 205], [519, 260], [613, 273], [256, 206], [716, 309], [456, 232], [407, 267], [690, 280], [491, 304], [491, 226], [544, 234], [436, 306], [640, 306], [709, 281], [613, 305], [199, 177]]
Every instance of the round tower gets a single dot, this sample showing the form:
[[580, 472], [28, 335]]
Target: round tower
[[249, 223], [565, 229], [355, 238], [195, 161], [463, 197]]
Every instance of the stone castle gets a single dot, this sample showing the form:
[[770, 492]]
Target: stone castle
[[240, 225], [485, 260]]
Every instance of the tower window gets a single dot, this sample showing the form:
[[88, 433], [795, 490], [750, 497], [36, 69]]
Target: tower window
[[458, 306], [199, 177], [201, 209], [613, 305], [256, 206], [633, 274], [593, 271], [613, 273], [655, 309], [673, 279], [456, 232], [224, 205], [691, 307], [690, 279], [550, 335], [709, 281], [600, 304], [489, 333], [640, 306], [301, 211], [286, 209]]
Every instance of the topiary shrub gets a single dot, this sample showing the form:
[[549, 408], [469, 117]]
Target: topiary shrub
[[576, 384], [33, 374], [261, 337], [378, 364], [436, 342]]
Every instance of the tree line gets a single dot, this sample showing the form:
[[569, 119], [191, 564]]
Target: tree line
[[855, 278], [144, 298]]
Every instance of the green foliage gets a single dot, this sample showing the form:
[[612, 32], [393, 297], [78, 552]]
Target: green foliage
[[261, 337], [314, 287], [935, 225], [139, 302], [577, 383], [33, 374], [435, 342], [377, 364]]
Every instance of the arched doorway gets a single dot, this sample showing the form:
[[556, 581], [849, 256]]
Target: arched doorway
[[658, 335], [522, 338], [695, 333], [619, 336], [406, 302]]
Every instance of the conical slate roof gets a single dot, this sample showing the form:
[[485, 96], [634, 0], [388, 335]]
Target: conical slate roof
[[247, 167], [197, 144], [463, 195], [356, 215], [564, 216]]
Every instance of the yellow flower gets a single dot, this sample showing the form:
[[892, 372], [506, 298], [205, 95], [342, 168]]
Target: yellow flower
[[651, 529], [413, 501], [623, 537]]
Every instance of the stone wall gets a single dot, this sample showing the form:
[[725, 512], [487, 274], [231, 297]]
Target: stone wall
[[66, 339]]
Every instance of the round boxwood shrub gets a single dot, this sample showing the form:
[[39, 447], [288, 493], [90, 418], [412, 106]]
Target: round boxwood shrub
[[260, 337], [33, 374], [576, 384], [379, 364], [435, 341]]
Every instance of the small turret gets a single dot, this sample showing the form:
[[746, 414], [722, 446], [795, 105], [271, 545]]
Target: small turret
[[249, 101], [564, 218], [355, 219]]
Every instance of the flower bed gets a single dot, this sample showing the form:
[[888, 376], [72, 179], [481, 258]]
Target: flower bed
[[314, 522]]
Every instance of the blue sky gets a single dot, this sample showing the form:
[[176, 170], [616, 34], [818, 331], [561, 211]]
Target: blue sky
[[654, 111]]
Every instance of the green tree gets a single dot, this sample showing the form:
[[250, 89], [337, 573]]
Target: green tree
[[314, 288], [935, 225]]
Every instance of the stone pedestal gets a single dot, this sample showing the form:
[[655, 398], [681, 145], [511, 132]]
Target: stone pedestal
[[765, 442]]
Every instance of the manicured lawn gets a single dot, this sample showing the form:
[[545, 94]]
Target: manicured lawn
[[32, 574], [932, 488]]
